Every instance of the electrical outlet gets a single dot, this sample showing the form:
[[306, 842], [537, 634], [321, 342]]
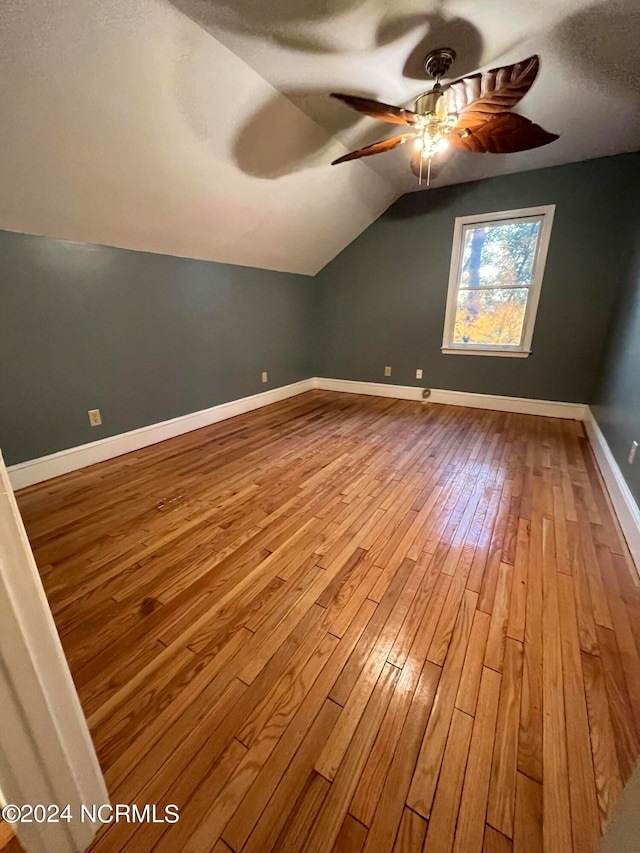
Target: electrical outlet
[[387, 371], [632, 452], [418, 374], [264, 376], [94, 417]]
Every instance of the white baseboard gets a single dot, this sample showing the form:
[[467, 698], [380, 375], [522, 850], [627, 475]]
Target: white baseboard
[[519, 405], [373, 389], [623, 501], [38, 470], [46, 467]]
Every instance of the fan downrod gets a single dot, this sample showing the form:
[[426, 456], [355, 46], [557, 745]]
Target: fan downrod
[[437, 62]]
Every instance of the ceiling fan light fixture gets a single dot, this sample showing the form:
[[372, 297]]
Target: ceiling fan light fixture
[[433, 126], [472, 114], [442, 109]]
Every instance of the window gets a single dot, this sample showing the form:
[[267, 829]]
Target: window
[[497, 266]]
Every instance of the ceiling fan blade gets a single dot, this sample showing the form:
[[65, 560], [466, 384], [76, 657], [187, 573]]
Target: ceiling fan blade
[[376, 109], [504, 133], [485, 94], [376, 148]]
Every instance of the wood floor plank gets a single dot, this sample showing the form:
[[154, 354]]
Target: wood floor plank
[[296, 746], [527, 834], [295, 681], [495, 842], [472, 669], [620, 705], [601, 612], [518, 602], [494, 656], [411, 834], [495, 553], [402, 644], [391, 804], [352, 670], [367, 794], [605, 758], [622, 597], [6, 834], [255, 826], [582, 788], [352, 836], [480, 557], [429, 761], [334, 808], [563, 558], [502, 792], [442, 822], [584, 607], [341, 736], [431, 616], [198, 805], [447, 620], [367, 586], [262, 747], [556, 825], [302, 816], [473, 806], [530, 735]]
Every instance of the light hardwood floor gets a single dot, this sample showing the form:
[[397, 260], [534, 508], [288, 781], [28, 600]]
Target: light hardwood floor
[[353, 624]]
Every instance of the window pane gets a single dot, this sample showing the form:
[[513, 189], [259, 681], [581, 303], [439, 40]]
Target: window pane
[[490, 317], [499, 255]]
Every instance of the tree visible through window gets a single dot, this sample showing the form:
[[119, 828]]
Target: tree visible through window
[[496, 273]]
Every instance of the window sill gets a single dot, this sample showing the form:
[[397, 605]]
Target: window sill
[[509, 353]]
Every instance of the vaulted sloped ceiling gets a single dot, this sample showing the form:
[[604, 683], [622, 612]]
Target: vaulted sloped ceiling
[[202, 128], [125, 123]]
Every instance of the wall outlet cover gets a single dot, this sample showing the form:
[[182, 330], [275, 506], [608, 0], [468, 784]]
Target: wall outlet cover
[[95, 419], [387, 371], [264, 376], [418, 374]]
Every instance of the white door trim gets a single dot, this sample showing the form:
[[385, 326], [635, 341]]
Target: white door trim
[[45, 745]]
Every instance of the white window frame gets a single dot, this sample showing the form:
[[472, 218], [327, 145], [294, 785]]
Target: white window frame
[[524, 349]]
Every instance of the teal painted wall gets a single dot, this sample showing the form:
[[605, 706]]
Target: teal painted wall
[[142, 337], [617, 399], [382, 300], [148, 337]]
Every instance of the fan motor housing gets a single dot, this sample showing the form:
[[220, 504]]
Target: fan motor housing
[[426, 102], [437, 62]]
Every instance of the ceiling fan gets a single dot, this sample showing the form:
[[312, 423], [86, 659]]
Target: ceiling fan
[[472, 114]]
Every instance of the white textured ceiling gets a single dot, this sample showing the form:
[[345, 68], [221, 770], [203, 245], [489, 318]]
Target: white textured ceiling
[[123, 123], [588, 89], [203, 128]]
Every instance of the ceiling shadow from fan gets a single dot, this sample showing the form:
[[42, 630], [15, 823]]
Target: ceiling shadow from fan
[[326, 111], [264, 150], [455, 32], [602, 42], [290, 24], [270, 21]]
